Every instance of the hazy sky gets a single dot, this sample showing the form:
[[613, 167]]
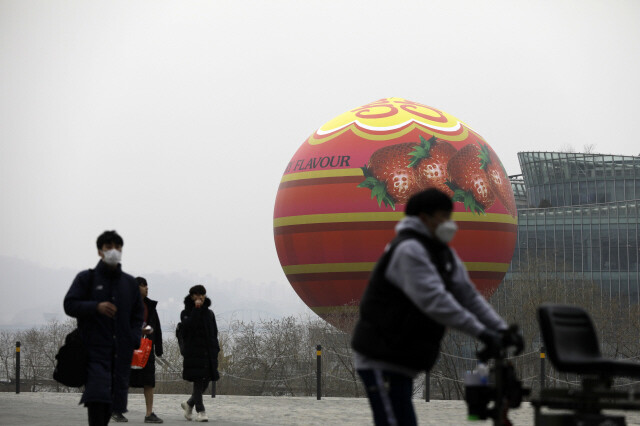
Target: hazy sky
[[172, 122]]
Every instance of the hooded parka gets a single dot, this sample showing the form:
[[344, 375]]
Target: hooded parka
[[201, 345]]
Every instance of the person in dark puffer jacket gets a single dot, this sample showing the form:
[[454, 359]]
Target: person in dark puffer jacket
[[107, 303], [201, 348]]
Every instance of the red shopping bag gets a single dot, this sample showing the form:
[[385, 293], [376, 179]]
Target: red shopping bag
[[141, 355]]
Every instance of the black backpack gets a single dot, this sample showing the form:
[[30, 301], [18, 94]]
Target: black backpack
[[72, 360], [180, 337]]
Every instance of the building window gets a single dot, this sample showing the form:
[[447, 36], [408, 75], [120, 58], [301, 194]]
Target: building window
[[600, 192], [629, 189], [610, 191], [619, 185]]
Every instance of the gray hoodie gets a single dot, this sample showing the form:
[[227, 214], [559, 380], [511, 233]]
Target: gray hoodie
[[461, 306]]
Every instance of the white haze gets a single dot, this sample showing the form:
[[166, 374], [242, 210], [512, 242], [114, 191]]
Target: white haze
[[172, 121]]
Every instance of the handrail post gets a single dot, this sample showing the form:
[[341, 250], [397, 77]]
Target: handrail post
[[18, 367], [543, 355], [318, 372], [427, 386]]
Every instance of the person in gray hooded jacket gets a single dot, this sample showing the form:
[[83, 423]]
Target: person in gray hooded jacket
[[417, 289]]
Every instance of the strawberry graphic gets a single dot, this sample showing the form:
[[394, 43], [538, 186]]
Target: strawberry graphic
[[430, 160], [389, 176], [498, 179], [469, 180]]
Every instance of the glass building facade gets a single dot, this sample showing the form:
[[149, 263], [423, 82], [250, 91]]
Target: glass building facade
[[519, 191], [578, 216], [555, 179]]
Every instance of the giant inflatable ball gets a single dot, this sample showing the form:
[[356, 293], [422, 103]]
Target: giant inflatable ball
[[346, 187]]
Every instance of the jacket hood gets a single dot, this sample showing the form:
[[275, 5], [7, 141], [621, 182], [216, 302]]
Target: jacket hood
[[189, 304], [412, 223]]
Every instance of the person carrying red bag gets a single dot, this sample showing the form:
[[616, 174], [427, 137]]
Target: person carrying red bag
[[146, 377]]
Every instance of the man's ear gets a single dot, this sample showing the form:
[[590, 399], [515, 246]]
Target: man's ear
[[425, 218]]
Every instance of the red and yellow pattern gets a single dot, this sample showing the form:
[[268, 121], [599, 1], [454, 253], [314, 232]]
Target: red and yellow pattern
[[329, 232], [389, 119]]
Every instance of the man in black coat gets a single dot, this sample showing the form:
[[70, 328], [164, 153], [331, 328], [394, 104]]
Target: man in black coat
[[146, 377], [201, 349], [108, 306]]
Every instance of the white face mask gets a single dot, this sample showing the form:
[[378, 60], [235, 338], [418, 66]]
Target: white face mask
[[112, 257], [446, 231]]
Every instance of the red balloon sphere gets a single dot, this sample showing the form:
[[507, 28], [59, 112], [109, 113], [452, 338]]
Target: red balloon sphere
[[345, 188]]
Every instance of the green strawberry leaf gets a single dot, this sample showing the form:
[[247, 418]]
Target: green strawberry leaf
[[369, 182], [466, 198], [458, 196], [427, 143], [421, 151], [452, 186], [418, 154], [378, 189], [485, 156], [388, 201]]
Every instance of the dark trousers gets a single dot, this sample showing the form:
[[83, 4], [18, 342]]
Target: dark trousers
[[99, 413], [199, 386], [390, 397]]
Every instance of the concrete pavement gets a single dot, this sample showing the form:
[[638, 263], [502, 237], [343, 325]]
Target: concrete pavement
[[43, 408]]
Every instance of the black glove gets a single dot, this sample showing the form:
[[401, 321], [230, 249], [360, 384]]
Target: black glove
[[493, 343], [513, 337]]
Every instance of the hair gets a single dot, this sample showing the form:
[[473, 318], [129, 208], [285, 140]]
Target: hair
[[429, 202], [197, 289], [141, 281], [109, 237]]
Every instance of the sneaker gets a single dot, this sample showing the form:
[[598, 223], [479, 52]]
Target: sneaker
[[118, 418], [188, 410], [202, 417], [152, 418]]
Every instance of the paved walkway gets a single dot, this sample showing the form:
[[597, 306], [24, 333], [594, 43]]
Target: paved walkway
[[42, 408]]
